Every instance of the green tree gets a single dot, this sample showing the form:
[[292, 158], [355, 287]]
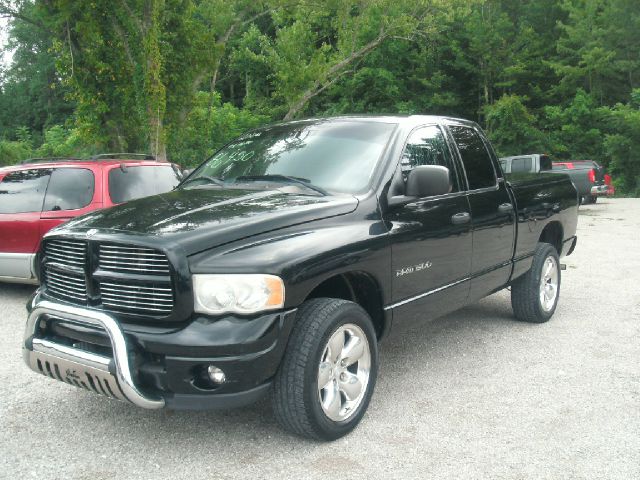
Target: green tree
[[31, 93], [599, 49], [623, 145], [575, 131], [511, 127]]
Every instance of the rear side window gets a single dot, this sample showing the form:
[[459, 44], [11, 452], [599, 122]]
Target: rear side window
[[475, 157], [129, 183], [545, 163], [427, 146], [23, 191], [69, 189], [522, 164]]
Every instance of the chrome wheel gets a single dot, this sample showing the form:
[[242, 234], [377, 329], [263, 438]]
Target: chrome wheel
[[343, 373], [549, 284]]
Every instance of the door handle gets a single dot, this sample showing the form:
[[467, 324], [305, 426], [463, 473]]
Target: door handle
[[505, 208], [461, 218]]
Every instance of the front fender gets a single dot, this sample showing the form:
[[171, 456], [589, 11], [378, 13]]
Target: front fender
[[306, 255]]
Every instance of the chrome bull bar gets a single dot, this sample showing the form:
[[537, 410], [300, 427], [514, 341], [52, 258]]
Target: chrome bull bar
[[100, 374]]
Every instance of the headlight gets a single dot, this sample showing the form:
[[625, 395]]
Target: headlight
[[215, 294]]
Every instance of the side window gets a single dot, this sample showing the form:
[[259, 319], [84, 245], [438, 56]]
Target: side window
[[427, 146], [522, 164], [69, 189], [475, 157], [23, 191], [545, 163]]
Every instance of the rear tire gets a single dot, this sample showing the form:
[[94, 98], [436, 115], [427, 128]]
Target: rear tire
[[534, 295], [328, 373]]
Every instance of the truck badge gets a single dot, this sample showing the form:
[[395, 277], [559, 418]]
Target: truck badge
[[413, 268]]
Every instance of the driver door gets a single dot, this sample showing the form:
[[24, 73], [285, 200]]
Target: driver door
[[431, 243]]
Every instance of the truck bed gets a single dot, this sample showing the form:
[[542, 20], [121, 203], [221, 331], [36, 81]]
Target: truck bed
[[541, 199]]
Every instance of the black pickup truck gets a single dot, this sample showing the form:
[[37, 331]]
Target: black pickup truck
[[278, 265]]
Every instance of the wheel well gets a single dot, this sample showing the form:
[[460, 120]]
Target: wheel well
[[552, 234], [358, 287]]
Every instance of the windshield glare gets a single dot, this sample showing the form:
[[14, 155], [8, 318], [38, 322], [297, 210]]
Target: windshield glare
[[337, 156]]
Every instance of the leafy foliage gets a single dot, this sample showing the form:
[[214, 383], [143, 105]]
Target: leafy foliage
[[179, 78]]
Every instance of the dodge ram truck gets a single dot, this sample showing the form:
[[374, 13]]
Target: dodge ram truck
[[277, 266]]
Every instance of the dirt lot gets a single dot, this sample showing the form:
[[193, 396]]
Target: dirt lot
[[472, 395]]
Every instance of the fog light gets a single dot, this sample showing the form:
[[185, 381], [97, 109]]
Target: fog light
[[216, 375]]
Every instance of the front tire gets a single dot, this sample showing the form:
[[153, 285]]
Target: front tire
[[328, 373], [534, 295]]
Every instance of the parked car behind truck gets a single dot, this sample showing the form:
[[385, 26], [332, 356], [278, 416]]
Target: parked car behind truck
[[532, 163], [278, 265], [589, 177], [37, 195]]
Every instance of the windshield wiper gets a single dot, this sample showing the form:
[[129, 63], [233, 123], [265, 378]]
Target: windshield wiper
[[215, 180], [305, 182]]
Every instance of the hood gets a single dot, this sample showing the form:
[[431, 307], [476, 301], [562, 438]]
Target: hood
[[199, 219]]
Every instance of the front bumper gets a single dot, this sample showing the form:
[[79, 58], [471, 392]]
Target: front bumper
[[155, 367]]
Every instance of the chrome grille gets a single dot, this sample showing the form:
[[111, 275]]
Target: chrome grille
[[128, 297], [66, 286], [131, 259], [69, 253], [119, 278], [64, 275]]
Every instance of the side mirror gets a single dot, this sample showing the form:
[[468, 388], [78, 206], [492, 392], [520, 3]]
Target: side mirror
[[428, 181]]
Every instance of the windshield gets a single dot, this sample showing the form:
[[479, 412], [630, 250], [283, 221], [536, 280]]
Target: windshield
[[333, 155]]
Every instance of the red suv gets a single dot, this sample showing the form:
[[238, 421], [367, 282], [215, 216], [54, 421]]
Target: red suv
[[38, 195]]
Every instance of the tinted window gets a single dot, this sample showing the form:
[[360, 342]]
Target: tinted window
[[475, 157], [522, 164], [69, 189], [545, 162], [135, 182], [338, 155], [23, 191], [427, 146]]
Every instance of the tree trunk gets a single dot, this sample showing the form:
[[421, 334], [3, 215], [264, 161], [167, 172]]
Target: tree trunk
[[155, 91], [157, 144]]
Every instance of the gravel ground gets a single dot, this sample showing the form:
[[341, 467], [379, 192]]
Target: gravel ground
[[471, 395]]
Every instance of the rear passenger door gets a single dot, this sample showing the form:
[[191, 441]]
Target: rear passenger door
[[492, 213], [71, 192]]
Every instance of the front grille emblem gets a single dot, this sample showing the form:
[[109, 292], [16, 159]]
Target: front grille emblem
[[91, 232]]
